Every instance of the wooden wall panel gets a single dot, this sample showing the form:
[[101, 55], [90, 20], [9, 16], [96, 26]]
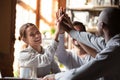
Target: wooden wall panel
[[7, 38], [62, 3]]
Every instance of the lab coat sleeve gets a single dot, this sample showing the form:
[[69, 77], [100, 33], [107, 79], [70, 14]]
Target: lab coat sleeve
[[28, 58], [61, 53], [89, 39]]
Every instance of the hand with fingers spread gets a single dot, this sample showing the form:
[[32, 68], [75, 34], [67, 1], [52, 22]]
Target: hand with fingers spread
[[59, 18], [67, 21], [63, 21]]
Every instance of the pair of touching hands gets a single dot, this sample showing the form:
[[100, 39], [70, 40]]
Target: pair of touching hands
[[62, 20]]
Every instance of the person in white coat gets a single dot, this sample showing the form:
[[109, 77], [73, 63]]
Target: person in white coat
[[35, 61]]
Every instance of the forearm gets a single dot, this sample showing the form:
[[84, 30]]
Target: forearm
[[56, 36], [61, 51], [89, 50], [88, 39]]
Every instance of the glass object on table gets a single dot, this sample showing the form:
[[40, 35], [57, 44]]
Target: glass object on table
[[25, 72]]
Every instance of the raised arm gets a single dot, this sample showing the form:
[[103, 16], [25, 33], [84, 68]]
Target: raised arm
[[89, 50], [61, 52]]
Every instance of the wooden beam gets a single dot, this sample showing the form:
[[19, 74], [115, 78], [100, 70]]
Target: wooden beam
[[38, 13], [25, 6], [61, 3]]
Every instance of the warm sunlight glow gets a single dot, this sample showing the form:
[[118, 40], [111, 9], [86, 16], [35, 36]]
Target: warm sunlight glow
[[46, 9], [31, 3], [76, 3]]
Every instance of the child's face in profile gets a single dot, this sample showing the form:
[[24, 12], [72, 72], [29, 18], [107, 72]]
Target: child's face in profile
[[33, 36]]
